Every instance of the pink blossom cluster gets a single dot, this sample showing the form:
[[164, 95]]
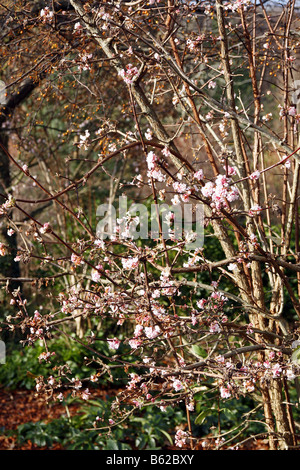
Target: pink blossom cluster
[[220, 191], [84, 140], [114, 343], [130, 262], [37, 328], [255, 210], [181, 438], [236, 4], [46, 15], [84, 63], [154, 171], [3, 249], [129, 74], [183, 192], [8, 204]]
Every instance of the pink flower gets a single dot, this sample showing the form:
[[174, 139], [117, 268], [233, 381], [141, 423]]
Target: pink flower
[[3, 250], [231, 170], [156, 174], [175, 200], [220, 191], [180, 187], [292, 111], [77, 27], [135, 343], [225, 392], [130, 263], [290, 375], [129, 73], [181, 438], [37, 316], [138, 330], [191, 406], [151, 160], [214, 327], [86, 394], [47, 15], [85, 58], [77, 260], [113, 343], [255, 210], [45, 228], [152, 331], [255, 175], [198, 175], [51, 380], [212, 84], [166, 152], [232, 266], [77, 383], [96, 276], [200, 303], [178, 385]]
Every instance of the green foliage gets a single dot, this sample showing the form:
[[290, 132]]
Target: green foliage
[[150, 430], [22, 364], [227, 415]]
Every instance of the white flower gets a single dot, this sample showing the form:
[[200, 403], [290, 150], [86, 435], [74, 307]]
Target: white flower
[[47, 15], [198, 175], [292, 111], [178, 385], [255, 210], [96, 276], [152, 331], [276, 370], [113, 343], [129, 74], [255, 175], [232, 266], [84, 140], [3, 250], [267, 117], [130, 263], [148, 135], [214, 327], [290, 374], [99, 243], [225, 392], [77, 27], [181, 438]]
